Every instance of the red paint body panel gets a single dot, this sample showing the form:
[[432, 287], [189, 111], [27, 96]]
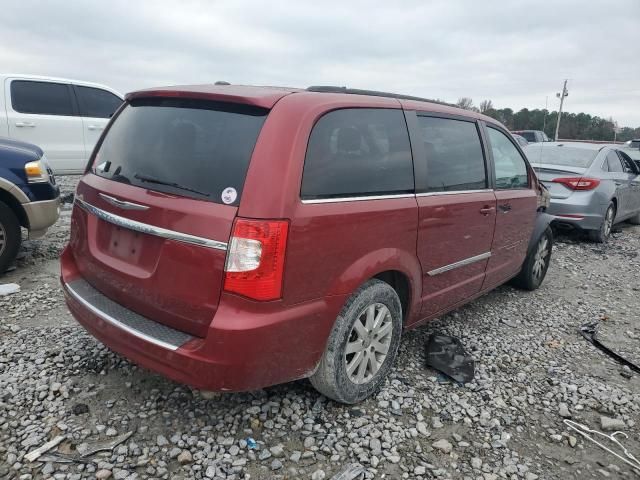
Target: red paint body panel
[[174, 283], [332, 249], [453, 228], [512, 234]]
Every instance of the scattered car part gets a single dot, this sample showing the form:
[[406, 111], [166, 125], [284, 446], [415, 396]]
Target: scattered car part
[[35, 454], [590, 332], [86, 449], [584, 431], [447, 355], [350, 472]]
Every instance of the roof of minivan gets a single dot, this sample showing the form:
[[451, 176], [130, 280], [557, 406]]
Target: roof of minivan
[[266, 97]]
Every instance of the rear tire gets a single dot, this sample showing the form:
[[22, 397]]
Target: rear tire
[[363, 344], [536, 263], [602, 234], [10, 237]]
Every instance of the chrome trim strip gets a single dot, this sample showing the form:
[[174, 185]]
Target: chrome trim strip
[[452, 192], [122, 204], [149, 229], [109, 319], [461, 263], [357, 199]]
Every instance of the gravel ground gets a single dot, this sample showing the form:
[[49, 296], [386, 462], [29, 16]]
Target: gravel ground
[[532, 370]]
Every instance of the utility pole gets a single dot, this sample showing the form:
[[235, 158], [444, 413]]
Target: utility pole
[[561, 97]]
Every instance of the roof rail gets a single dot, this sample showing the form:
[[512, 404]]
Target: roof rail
[[374, 93]]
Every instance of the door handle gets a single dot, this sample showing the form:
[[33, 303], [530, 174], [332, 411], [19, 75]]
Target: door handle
[[618, 184], [25, 124], [505, 208], [486, 210], [95, 127]]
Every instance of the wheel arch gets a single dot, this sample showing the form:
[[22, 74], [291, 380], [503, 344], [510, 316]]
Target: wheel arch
[[12, 202]]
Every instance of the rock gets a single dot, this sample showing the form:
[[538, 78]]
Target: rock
[[9, 288], [80, 408], [572, 441], [422, 429], [318, 475], [420, 470], [277, 451], [185, 457], [563, 411], [610, 424], [103, 474], [443, 445], [476, 463], [276, 464], [161, 441]]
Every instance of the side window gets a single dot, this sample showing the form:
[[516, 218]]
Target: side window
[[44, 98], [358, 152], [453, 153], [95, 102], [510, 167], [614, 162]]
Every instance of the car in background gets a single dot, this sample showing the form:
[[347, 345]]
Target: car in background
[[29, 196], [520, 139], [532, 136], [635, 143], [63, 117], [592, 186]]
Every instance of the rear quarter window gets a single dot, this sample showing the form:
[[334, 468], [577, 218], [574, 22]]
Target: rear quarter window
[[191, 148], [358, 152]]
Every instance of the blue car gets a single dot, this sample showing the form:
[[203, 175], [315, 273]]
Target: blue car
[[29, 196]]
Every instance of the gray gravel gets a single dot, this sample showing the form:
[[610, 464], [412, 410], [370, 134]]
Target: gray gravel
[[532, 371]]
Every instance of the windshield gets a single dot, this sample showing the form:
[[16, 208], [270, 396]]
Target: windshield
[[560, 155], [192, 148], [530, 136]]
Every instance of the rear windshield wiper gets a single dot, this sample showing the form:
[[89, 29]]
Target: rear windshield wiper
[[148, 179]]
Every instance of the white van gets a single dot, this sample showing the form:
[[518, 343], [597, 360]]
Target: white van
[[63, 117]]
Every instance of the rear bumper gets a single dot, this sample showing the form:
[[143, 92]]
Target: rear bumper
[[576, 212], [41, 215], [249, 345]]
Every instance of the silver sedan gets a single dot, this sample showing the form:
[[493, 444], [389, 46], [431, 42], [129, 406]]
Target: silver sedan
[[592, 186]]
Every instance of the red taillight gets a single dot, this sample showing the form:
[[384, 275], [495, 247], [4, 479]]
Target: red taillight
[[255, 260], [578, 183]]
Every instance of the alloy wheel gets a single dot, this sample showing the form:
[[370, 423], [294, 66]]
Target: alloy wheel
[[368, 343], [541, 258], [608, 222]]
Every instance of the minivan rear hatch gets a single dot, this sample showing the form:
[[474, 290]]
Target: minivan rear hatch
[[155, 210]]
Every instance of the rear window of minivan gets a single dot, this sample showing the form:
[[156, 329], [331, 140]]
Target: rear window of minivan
[[192, 148]]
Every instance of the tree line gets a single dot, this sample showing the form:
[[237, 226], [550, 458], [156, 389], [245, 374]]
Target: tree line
[[574, 126]]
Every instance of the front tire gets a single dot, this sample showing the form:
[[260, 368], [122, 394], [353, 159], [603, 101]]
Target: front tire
[[10, 237], [602, 234], [363, 344], [536, 263]]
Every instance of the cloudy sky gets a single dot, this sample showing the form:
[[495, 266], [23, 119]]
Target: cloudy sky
[[515, 53]]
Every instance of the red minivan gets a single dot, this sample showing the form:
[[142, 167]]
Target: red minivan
[[235, 237]]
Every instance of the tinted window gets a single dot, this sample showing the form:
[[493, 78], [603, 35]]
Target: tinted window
[[363, 151], [530, 136], [560, 155], [203, 148], [614, 162], [510, 167], [454, 154], [44, 98], [95, 102]]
